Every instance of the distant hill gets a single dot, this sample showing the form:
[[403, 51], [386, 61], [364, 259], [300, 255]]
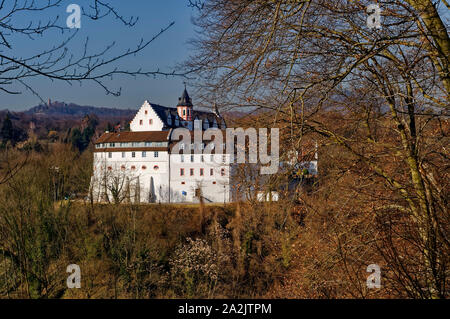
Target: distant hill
[[62, 117], [61, 109]]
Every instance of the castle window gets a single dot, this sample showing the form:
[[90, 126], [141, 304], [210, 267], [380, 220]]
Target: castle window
[[181, 171], [211, 158], [211, 172], [192, 158], [109, 168], [182, 158], [222, 172], [214, 183], [201, 171], [123, 154], [182, 183], [111, 144], [191, 172], [146, 112], [150, 121], [184, 112], [109, 155], [144, 167], [155, 154], [156, 167], [144, 154], [224, 158], [202, 158], [141, 122], [133, 154], [133, 167], [122, 167], [182, 146]]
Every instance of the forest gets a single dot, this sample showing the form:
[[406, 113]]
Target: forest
[[374, 103]]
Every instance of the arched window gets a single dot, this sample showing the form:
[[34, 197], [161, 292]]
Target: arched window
[[156, 167], [144, 167], [133, 167]]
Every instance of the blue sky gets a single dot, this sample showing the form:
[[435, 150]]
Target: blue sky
[[168, 50]]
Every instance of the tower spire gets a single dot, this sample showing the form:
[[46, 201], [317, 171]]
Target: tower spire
[[185, 106]]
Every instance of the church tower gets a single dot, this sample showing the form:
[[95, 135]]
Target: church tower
[[185, 106]]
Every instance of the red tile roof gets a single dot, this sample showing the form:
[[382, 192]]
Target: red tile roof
[[155, 136]]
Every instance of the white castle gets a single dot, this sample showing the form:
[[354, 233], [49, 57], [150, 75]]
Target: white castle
[[141, 166]]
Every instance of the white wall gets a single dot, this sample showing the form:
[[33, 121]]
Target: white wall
[[160, 176], [212, 192]]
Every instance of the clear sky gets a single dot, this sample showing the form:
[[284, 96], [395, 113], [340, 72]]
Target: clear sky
[[168, 50]]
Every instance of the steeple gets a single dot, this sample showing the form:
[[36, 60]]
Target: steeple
[[184, 100], [185, 106]]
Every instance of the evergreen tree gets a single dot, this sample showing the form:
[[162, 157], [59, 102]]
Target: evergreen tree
[[7, 131], [77, 139]]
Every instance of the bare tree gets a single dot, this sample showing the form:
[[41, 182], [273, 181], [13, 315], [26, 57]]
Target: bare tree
[[58, 62], [381, 95]]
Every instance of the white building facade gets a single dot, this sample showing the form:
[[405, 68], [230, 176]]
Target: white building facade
[[142, 165]]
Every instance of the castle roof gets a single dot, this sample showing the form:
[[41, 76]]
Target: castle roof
[[165, 113], [151, 136], [185, 100]]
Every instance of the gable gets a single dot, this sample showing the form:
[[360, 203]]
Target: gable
[[146, 119], [154, 117]]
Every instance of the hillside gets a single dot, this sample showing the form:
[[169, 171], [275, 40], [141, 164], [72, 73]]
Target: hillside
[[62, 109]]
